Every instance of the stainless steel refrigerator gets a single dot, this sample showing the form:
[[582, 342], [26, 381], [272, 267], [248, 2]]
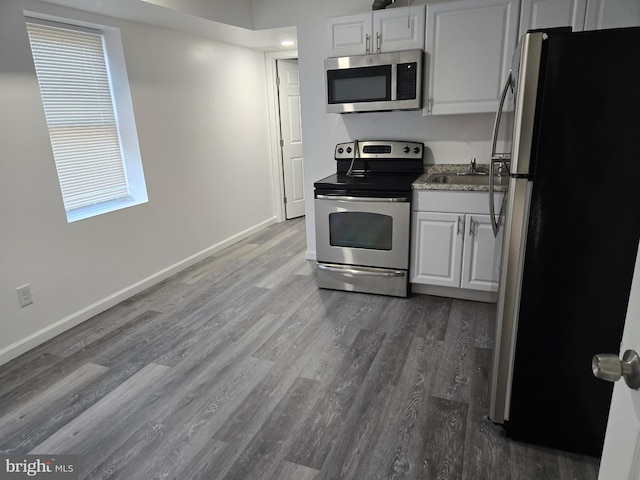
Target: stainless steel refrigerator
[[571, 226]]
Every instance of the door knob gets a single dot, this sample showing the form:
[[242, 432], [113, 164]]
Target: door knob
[[607, 366]]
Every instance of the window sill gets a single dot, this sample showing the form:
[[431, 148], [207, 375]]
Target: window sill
[[102, 208]]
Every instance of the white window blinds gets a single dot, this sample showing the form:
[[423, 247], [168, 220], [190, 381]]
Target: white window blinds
[[76, 93]]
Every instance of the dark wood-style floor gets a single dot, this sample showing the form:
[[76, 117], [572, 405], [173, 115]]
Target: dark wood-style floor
[[241, 368]]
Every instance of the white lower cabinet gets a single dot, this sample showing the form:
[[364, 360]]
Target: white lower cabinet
[[481, 255], [454, 253], [437, 251]]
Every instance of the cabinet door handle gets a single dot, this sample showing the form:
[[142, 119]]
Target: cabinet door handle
[[368, 43], [460, 225], [471, 226], [378, 42]]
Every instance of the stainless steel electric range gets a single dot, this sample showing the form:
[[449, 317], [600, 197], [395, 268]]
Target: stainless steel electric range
[[363, 214]]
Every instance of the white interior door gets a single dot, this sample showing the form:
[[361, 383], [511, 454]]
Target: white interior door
[[291, 137], [621, 454]]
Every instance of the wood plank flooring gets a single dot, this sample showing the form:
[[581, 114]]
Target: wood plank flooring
[[240, 368]]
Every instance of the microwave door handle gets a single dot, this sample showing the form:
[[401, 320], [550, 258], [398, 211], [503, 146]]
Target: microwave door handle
[[495, 223]]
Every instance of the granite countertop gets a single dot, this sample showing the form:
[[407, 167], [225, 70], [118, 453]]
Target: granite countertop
[[422, 184]]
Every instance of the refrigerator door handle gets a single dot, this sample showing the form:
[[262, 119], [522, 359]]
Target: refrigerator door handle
[[495, 220], [495, 157], [496, 124]]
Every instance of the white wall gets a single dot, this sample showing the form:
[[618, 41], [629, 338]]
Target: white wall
[[201, 116], [449, 138]]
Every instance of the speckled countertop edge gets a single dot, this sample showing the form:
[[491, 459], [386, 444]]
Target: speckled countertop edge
[[421, 182]]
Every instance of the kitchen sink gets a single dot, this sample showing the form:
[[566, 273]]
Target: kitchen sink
[[456, 179]]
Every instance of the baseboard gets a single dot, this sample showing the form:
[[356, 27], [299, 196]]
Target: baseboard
[[23, 345], [462, 293]]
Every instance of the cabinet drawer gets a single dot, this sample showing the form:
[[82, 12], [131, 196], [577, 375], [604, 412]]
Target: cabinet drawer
[[453, 202]]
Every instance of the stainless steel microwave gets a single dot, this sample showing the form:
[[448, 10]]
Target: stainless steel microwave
[[365, 83]]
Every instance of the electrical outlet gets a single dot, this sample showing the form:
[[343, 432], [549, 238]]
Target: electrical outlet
[[24, 295]]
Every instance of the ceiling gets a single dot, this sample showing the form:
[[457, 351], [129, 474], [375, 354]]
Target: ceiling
[[145, 11]]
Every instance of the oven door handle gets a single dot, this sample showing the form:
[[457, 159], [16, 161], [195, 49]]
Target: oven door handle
[[369, 271], [346, 198]]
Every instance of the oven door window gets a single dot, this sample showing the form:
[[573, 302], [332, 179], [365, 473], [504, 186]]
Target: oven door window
[[371, 231], [365, 84]]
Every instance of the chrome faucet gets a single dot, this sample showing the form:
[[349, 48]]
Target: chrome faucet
[[356, 152], [473, 168], [503, 168]]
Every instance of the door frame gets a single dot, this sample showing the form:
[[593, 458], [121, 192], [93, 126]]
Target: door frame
[[271, 59]]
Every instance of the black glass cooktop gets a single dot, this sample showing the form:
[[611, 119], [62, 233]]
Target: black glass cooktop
[[380, 166], [368, 183]]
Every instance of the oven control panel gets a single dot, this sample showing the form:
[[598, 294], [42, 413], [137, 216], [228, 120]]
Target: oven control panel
[[381, 149]]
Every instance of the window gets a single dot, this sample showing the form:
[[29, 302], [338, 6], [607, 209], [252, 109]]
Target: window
[[98, 163]]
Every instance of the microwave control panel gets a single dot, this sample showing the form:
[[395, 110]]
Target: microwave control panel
[[407, 81]]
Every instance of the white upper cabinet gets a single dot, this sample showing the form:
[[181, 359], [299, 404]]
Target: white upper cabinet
[[612, 14], [381, 31], [349, 35], [469, 45], [579, 14], [398, 29], [552, 13]]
